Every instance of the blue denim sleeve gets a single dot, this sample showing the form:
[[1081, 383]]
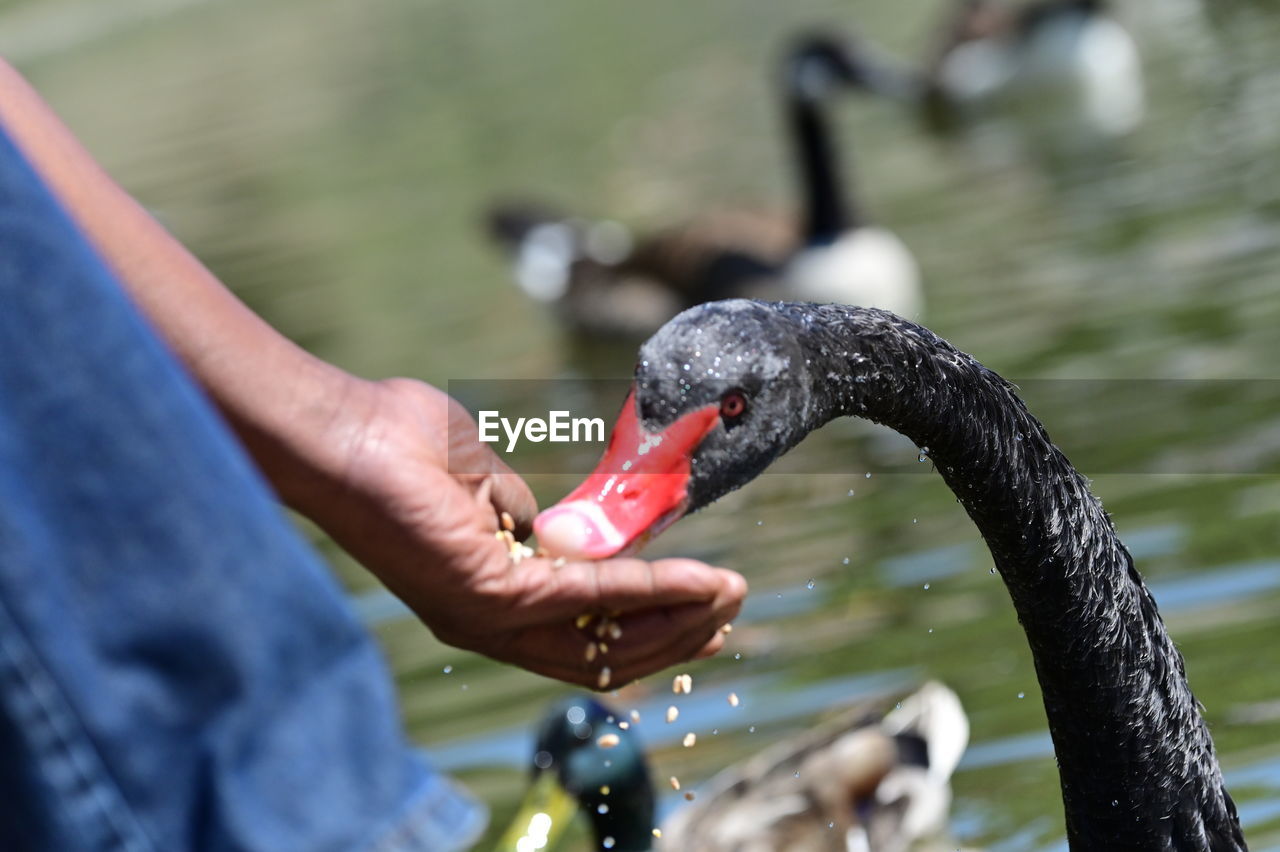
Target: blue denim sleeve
[[177, 671]]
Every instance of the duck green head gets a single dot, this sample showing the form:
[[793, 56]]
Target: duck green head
[[576, 765]]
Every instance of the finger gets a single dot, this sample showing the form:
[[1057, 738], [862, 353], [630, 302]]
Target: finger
[[511, 494], [715, 646], [605, 653], [687, 646], [621, 585]]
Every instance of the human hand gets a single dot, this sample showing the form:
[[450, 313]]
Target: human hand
[[430, 536]]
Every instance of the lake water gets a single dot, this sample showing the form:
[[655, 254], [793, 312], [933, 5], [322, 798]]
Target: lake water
[[330, 160]]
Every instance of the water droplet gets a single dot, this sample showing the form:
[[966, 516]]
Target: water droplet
[[464, 687], [686, 368], [809, 585], [759, 523], [930, 629], [831, 824], [542, 760], [779, 595], [868, 474], [751, 730], [850, 492], [448, 669], [993, 569], [926, 587], [897, 706], [602, 808], [1022, 695], [924, 454], [845, 560], [737, 656], [607, 842], [797, 774], [915, 520], [715, 731]]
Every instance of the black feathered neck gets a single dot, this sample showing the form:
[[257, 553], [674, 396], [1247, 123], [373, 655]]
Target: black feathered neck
[[812, 73], [1137, 764]]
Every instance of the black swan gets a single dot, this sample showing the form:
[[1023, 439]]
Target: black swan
[[724, 389], [603, 281], [865, 779]]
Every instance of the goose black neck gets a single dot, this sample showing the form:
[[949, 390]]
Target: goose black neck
[[1137, 765], [810, 75]]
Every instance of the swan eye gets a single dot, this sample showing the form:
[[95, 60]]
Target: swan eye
[[732, 405]]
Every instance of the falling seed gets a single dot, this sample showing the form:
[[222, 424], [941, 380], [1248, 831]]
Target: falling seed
[[675, 783], [690, 739], [688, 797], [592, 650], [582, 620], [604, 791], [602, 627], [608, 740], [726, 628], [673, 713], [682, 683], [733, 699], [615, 630], [605, 675], [635, 717], [604, 647], [624, 725], [508, 523]]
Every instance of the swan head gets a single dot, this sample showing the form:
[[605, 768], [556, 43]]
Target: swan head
[[719, 393]]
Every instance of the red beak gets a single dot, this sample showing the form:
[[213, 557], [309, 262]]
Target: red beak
[[636, 491]]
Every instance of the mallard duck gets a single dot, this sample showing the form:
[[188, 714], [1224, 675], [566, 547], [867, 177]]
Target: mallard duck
[[603, 280], [864, 780]]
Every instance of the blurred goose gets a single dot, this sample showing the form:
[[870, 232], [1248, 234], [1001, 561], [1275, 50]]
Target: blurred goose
[[1069, 61], [860, 782], [604, 280]]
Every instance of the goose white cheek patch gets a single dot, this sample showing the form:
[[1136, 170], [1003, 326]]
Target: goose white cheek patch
[[638, 489]]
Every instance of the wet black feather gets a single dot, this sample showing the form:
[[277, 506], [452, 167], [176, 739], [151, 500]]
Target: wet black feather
[[1136, 761]]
